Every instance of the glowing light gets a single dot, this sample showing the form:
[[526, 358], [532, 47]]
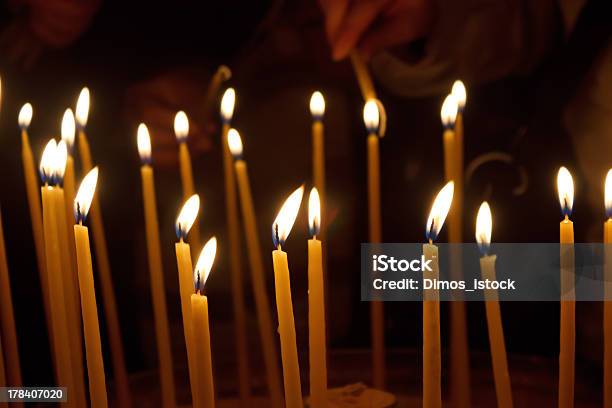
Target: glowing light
[[608, 194], [61, 156], [371, 116], [204, 264], [286, 217], [25, 116], [187, 216], [227, 104], [181, 126], [565, 188], [439, 211], [82, 108], [144, 143], [448, 113], [47, 162], [317, 105], [484, 226], [68, 128], [314, 212], [84, 197], [235, 143], [460, 94]]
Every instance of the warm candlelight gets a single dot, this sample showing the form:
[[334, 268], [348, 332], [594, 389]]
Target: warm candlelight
[[205, 398], [503, 390], [608, 292], [262, 304], [91, 327], [158, 292], [286, 325], [432, 359], [371, 118], [184, 222], [565, 188], [316, 307], [317, 110], [228, 102]]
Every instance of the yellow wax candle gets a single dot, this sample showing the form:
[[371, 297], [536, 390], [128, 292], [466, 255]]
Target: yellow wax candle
[[201, 329], [363, 76], [181, 130], [102, 261], [91, 329], [184, 223], [235, 251], [432, 360], [608, 293], [68, 135], [565, 186], [316, 307], [284, 306], [262, 304], [158, 292], [484, 225], [317, 110], [371, 117]]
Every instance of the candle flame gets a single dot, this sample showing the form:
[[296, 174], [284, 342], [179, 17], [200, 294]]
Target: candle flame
[[484, 226], [53, 162], [84, 197], [371, 116], [82, 108], [144, 143], [448, 113], [25, 116], [234, 141], [68, 128], [314, 212], [439, 211], [61, 156], [458, 90], [565, 188], [181, 126], [204, 264], [608, 194], [317, 105], [286, 217], [187, 216], [227, 104]]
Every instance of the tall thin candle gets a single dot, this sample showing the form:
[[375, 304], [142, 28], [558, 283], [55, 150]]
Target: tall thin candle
[[363, 76]]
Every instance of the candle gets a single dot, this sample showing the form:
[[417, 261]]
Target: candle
[[49, 168], [565, 187], [371, 117], [91, 329], [158, 292], [33, 193], [235, 252], [102, 261], [484, 225], [262, 304], [184, 222], [317, 110], [608, 293], [432, 366], [284, 306], [316, 307], [68, 135], [201, 328], [363, 76], [181, 130]]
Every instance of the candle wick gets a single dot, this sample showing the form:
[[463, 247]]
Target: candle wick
[[566, 218], [430, 241]]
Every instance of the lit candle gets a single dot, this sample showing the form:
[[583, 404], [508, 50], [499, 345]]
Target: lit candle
[[371, 118], [565, 187], [102, 260], [89, 311], [158, 292], [262, 304], [317, 110], [608, 293], [181, 131], [201, 328], [235, 253], [432, 366], [503, 390], [452, 169], [49, 167], [363, 76], [184, 222], [284, 306], [68, 135], [316, 307]]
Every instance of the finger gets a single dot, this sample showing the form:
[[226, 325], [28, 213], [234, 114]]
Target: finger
[[334, 11], [389, 33], [355, 23]]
